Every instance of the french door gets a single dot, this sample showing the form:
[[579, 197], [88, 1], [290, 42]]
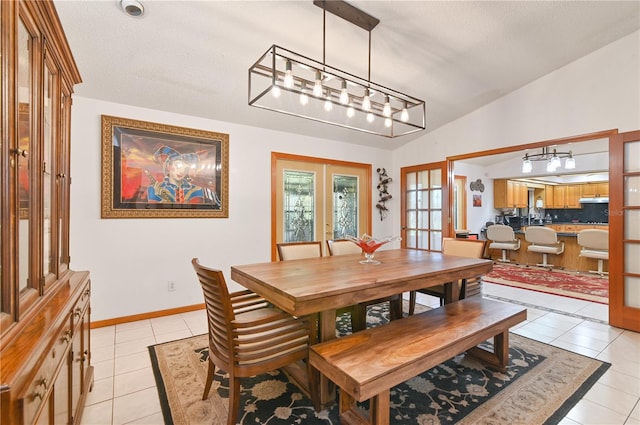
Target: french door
[[624, 230], [316, 199], [424, 205]]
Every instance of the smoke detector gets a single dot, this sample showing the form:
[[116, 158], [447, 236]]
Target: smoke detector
[[132, 8]]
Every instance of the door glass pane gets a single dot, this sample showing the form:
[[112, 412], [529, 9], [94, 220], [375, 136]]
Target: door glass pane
[[632, 291], [436, 179], [411, 239], [411, 181], [411, 200], [423, 219], [436, 241], [423, 239], [436, 220], [345, 206], [412, 219], [632, 224], [436, 199], [46, 170], [631, 255], [632, 191], [423, 179], [631, 157], [299, 208], [24, 157]]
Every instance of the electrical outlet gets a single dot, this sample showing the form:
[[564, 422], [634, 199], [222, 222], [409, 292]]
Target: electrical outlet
[[171, 286]]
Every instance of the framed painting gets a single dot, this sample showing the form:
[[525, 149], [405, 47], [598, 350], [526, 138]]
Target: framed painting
[[152, 170]]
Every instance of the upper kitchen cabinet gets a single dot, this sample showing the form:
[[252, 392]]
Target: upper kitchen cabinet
[[595, 190], [567, 196], [44, 305], [509, 194]]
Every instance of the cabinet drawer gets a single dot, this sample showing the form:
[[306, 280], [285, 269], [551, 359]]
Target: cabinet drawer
[[38, 390]]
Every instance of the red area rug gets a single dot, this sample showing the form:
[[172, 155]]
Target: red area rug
[[581, 286]]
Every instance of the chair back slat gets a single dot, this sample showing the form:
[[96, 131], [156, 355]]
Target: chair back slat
[[539, 235], [596, 239], [219, 311], [500, 233]]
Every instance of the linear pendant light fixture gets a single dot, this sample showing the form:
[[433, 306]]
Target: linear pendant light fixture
[[290, 83]]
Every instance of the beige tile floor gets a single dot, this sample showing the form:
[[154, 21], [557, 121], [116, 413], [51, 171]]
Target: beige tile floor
[[124, 391]]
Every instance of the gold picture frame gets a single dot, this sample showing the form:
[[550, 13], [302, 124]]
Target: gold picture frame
[[152, 170]]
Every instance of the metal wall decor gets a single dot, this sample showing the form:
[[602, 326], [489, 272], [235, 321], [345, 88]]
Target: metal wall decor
[[383, 190], [477, 186]]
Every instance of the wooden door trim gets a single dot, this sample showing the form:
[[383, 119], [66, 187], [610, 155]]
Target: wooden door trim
[[279, 156]]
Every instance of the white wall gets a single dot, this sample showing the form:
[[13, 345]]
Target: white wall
[[600, 91], [477, 216], [131, 260]]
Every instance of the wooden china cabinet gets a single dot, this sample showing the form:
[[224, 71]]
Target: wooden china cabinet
[[45, 356]]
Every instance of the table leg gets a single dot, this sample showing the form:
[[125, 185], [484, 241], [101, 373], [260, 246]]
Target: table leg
[[451, 292], [327, 331]]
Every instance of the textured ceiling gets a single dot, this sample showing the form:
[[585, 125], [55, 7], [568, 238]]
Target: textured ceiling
[[192, 57]]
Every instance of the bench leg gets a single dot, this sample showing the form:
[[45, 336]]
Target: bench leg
[[500, 355], [379, 406]]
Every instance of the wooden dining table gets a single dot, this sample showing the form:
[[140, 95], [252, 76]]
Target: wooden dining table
[[322, 285]]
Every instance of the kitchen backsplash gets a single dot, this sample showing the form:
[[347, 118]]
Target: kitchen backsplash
[[597, 213]]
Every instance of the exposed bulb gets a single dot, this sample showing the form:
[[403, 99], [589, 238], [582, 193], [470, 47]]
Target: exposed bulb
[[328, 105], [386, 110], [404, 115], [366, 102], [527, 166], [550, 167], [304, 99], [370, 117], [275, 91], [317, 86], [387, 122], [288, 76], [344, 94], [350, 111]]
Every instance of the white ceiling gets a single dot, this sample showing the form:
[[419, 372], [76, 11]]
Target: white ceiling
[[192, 57]]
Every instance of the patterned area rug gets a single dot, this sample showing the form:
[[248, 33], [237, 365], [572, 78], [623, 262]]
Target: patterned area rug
[[581, 286], [541, 384]]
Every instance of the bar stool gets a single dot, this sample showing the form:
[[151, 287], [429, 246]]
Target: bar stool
[[543, 240], [503, 238], [595, 244]]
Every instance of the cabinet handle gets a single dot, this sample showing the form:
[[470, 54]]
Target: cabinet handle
[[67, 335], [77, 312], [61, 175], [40, 394], [44, 383]]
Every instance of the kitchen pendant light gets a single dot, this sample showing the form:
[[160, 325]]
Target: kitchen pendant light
[[339, 97], [553, 159]]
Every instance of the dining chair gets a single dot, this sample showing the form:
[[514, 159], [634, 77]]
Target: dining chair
[[247, 338], [359, 314], [470, 248]]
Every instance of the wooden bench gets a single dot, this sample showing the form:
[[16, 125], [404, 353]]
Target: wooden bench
[[365, 365]]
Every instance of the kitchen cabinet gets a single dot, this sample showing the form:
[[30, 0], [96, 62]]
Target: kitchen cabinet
[[509, 194], [548, 196], [595, 190], [44, 305], [566, 196]]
